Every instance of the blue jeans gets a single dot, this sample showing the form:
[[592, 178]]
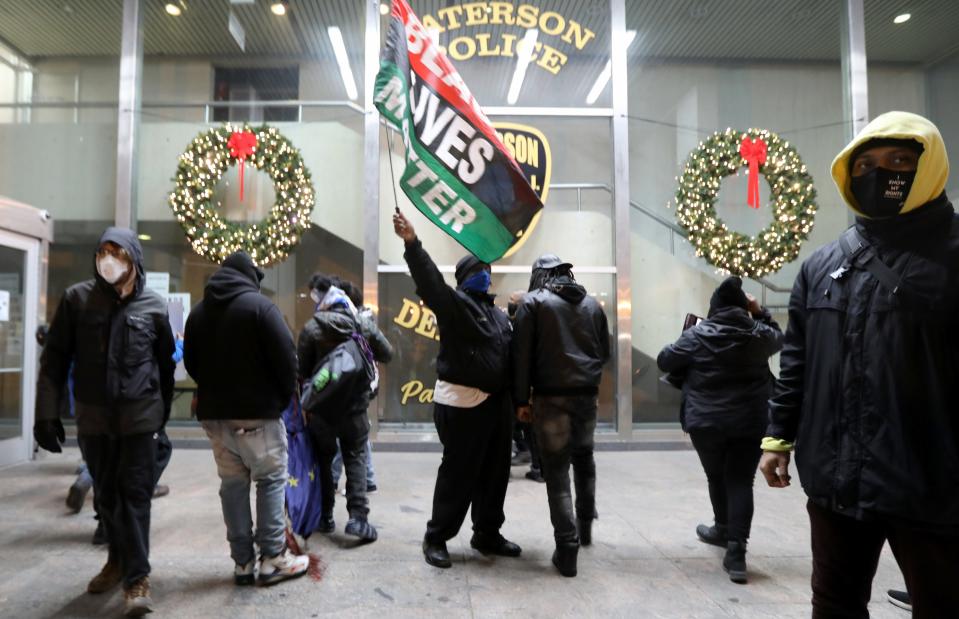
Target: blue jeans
[[338, 465], [246, 451]]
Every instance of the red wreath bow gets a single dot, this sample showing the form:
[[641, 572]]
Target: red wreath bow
[[754, 152], [242, 144]]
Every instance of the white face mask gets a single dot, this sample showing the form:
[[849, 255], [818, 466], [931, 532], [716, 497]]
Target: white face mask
[[112, 269]]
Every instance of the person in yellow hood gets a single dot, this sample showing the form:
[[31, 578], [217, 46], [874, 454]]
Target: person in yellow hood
[[868, 393]]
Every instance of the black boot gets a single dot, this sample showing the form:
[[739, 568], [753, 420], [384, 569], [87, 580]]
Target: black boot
[[735, 561], [436, 554], [494, 544], [585, 530], [714, 535], [564, 558]]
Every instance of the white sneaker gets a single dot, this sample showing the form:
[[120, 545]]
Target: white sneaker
[[283, 566]]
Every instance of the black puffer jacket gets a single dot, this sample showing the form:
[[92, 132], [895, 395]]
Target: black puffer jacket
[[561, 342], [238, 349], [474, 333], [320, 335], [869, 387], [121, 349], [725, 360]]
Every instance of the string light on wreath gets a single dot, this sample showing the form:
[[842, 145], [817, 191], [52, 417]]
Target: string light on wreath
[[201, 166], [793, 201]]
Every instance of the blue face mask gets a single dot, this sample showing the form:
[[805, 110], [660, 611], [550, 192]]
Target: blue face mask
[[478, 282]]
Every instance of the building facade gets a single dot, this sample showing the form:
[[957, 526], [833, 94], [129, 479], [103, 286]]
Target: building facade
[[602, 100]]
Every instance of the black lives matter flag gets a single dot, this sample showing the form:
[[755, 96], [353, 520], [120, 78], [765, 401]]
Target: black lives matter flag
[[458, 173]]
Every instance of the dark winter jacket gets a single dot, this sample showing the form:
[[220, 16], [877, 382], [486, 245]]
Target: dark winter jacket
[[869, 387], [320, 335], [725, 360], [238, 349], [121, 349], [561, 342], [474, 333]]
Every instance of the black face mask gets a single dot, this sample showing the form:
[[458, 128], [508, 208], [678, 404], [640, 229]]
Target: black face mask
[[882, 193]]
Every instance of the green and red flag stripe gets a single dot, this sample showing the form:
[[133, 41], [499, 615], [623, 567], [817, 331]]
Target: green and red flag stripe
[[458, 172]]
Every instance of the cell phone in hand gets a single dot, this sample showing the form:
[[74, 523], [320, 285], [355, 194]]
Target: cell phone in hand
[[691, 321]]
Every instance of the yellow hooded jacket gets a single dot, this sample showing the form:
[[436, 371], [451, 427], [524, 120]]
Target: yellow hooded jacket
[[932, 172]]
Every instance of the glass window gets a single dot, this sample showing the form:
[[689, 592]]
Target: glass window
[[698, 68], [240, 62], [568, 157], [59, 83]]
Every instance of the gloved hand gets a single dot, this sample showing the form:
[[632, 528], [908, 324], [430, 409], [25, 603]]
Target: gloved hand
[[49, 434]]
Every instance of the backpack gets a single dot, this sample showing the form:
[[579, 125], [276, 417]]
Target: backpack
[[346, 373]]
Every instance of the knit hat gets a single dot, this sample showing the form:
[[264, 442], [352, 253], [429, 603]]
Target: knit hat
[[728, 294], [468, 265]]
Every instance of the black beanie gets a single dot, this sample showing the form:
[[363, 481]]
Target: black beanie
[[241, 261], [728, 294], [467, 265], [876, 142]]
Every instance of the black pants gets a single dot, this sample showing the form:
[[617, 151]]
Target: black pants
[[477, 446], [564, 427], [352, 430], [730, 464], [525, 440], [845, 554], [124, 475]]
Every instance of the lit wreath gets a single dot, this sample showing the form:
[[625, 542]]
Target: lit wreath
[[203, 163], [793, 201]]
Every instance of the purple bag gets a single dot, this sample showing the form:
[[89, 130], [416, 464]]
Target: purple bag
[[304, 499]]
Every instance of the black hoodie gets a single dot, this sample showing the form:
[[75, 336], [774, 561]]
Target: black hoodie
[[121, 351], [237, 347], [560, 342]]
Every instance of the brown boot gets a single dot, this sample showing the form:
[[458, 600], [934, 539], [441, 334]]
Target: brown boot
[[138, 602], [108, 578]]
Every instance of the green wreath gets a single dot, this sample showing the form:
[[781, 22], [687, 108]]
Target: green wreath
[[209, 155], [793, 201]]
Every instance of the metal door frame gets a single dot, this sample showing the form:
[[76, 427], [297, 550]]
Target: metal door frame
[[15, 450]]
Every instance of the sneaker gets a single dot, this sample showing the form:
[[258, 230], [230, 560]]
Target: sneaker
[[900, 599], [714, 535], [77, 495], [137, 600], [370, 488], [108, 578], [243, 575], [359, 527], [100, 535], [282, 567], [161, 490], [535, 475], [327, 524]]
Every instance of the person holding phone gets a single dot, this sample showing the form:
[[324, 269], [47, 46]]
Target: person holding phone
[[724, 362]]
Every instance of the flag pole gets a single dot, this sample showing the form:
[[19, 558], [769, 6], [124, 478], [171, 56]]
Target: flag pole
[[389, 140]]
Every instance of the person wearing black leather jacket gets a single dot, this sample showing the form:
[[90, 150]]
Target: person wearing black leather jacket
[[560, 345], [471, 402], [724, 361], [867, 394], [116, 333]]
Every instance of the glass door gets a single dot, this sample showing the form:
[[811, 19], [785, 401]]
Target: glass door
[[19, 294]]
